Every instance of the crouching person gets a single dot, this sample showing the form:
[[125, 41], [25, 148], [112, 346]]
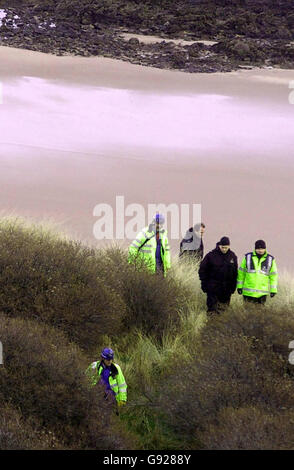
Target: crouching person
[[110, 376]]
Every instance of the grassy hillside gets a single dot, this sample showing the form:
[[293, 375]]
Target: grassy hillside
[[194, 383]]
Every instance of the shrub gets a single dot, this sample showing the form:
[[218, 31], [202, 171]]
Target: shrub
[[56, 281], [44, 378], [17, 434], [240, 361], [152, 302], [250, 429]]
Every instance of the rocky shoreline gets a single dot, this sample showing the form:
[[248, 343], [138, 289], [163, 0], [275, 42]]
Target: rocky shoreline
[[44, 31]]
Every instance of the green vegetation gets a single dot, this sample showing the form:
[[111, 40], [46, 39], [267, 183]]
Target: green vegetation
[[194, 383]]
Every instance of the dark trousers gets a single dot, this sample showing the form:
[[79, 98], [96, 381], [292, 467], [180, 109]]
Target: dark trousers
[[217, 302], [159, 269], [255, 300]]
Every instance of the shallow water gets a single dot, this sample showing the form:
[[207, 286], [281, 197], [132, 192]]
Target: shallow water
[[51, 115]]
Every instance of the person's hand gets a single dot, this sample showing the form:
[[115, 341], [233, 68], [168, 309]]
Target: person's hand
[[119, 406], [240, 291], [273, 294]]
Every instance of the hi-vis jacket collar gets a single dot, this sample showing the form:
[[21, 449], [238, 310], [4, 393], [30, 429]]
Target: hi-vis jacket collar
[[266, 262]]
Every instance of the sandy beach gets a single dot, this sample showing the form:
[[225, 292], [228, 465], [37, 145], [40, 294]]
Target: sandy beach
[[76, 132]]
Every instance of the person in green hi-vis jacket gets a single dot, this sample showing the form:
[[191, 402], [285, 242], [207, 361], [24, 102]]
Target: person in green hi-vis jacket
[[257, 275], [109, 375], [152, 247]]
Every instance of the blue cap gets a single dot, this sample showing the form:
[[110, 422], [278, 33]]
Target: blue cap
[[107, 353], [159, 218]]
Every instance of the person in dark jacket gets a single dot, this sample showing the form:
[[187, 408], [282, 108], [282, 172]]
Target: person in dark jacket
[[192, 243], [218, 275]]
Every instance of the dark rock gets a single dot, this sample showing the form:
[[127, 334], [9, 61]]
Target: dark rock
[[195, 49], [289, 52], [179, 60], [87, 19], [248, 35], [240, 49], [284, 33], [134, 42], [88, 27]]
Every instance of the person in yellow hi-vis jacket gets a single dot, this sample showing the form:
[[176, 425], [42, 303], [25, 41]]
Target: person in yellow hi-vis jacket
[[257, 275], [110, 375], [151, 245]]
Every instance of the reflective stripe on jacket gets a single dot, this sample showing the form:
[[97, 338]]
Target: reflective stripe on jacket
[[144, 247], [257, 276], [117, 383]]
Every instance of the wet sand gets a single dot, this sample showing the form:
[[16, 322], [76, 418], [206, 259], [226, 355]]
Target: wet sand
[[76, 132], [155, 39]]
